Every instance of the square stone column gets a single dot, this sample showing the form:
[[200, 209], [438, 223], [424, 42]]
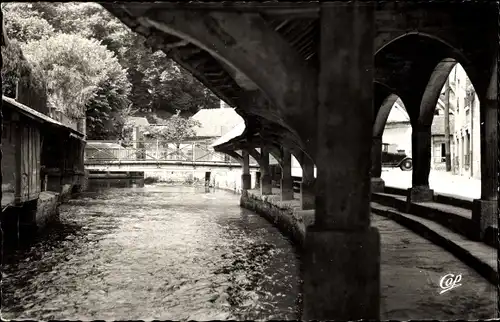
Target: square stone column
[[246, 180], [484, 211], [286, 183], [257, 180], [377, 183], [421, 156], [307, 196], [342, 252], [265, 177]]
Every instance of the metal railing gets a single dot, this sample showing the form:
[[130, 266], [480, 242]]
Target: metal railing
[[188, 151]]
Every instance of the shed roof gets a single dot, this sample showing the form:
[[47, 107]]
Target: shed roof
[[234, 132], [37, 116]]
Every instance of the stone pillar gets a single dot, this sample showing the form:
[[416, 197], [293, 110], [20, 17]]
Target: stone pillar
[[307, 197], [257, 180], [377, 183], [484, 211], [421, 155], [286, 183], [246, 180], [342, 251], [265, 177]]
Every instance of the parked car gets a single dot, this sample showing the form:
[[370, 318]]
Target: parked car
[[397, 160]]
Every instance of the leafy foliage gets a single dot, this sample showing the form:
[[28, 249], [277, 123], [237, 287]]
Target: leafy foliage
[[24, 24], [17, 69], [176, 129], [156, 86], [75, 69]]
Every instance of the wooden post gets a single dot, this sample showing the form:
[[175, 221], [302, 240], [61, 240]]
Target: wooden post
[[18, 146]]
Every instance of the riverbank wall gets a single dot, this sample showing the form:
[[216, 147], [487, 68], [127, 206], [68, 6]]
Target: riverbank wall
[[287, 216], [228, 179], [22, 223]]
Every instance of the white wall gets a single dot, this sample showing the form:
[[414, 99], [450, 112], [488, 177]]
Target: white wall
[[398, 134]]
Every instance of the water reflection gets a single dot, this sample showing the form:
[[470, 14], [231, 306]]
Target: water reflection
[[156, 252]]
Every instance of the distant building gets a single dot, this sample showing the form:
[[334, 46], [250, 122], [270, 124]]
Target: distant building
[[466, 141], [438, 151], [397, 132], [464, 128]]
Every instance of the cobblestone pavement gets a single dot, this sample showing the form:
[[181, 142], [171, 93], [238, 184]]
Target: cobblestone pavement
[[411, 270], [440, 181]]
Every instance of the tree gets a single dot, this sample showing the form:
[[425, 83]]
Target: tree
[[158, 85], [24, 24], [19, 73], [174, 130], [75, 69]]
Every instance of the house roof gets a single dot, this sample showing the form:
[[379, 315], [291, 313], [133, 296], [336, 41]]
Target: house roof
[[138, 121], [37, 116], [216, 122], [397, 114], [437, 127]]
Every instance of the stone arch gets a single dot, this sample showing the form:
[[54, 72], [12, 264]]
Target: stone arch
[[244, 43], [383, 114], [433, 90], [423, 35], [415, 65]]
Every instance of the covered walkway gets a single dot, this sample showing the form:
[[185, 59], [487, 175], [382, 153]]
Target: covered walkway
[[317, 80]]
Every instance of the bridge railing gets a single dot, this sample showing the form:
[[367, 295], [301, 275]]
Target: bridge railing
[[154, 150]]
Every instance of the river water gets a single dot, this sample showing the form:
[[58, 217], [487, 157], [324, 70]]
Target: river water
[[156, 252]]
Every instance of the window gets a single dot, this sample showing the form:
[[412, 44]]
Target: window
[[385, 147], [443, 150]]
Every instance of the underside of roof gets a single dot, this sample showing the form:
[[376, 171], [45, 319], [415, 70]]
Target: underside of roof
[[299, 25]]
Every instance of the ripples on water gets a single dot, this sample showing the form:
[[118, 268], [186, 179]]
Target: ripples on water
[[158, 252]]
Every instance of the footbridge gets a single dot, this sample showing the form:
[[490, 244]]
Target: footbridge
[[119, 156]]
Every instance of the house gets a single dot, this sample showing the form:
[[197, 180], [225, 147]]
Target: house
[[214, 123], [397, 132]]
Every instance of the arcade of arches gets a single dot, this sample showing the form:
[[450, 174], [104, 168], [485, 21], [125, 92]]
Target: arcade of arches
[[317, 80]]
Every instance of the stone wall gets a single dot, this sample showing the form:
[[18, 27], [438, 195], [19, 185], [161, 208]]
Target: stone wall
[[291, 221], [230, 179], [222, 178], [21, 224], [47, 208]]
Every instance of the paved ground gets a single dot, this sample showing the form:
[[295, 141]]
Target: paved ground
[[440, 181], [411, 269]]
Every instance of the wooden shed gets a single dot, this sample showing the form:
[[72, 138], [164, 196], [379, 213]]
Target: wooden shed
[[22, 136], [21, 154]]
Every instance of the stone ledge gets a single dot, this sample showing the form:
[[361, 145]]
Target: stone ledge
[[47, 208], [450, 241], [455, 218], [285, 215]]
